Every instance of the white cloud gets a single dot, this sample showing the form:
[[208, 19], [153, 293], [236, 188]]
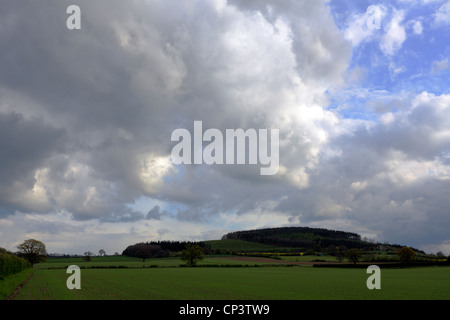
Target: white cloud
[[358, 32], [395, 34], [439, 66], [395, 70], [442, 15], [417, 27]]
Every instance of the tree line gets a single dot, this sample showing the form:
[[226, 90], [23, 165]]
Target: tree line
[[159, 249]]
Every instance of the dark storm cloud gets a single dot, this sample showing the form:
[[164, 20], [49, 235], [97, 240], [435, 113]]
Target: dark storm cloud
[[156, 213], [24, 145], [81, 82]]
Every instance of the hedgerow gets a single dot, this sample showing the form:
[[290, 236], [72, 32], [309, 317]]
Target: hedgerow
[[10, 264]]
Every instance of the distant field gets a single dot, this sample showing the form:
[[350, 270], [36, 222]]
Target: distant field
[[262, 283], [308, 258], [130, 262], [240, 245]]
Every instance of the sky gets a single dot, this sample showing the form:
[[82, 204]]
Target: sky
[[359, 91]]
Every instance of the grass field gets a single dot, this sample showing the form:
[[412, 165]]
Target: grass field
[[10, 282], [233, 283], [130, 262], [240, 245]]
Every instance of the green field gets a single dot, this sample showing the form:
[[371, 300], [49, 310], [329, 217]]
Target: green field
[[239, 245], [261, 282], [10, 282], [131, 262]]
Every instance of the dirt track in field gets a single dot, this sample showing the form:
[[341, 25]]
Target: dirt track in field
[[272, 261], [16, 292]]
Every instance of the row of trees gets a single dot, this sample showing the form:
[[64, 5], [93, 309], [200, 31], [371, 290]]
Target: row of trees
[[101, 253], [190, 252], [171, 246], [145, 251], [405, 254], [193, 253], [158, 249]]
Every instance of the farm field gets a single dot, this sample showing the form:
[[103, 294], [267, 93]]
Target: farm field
[[239, 245], [10, 282], [266, 282], [131, 262]]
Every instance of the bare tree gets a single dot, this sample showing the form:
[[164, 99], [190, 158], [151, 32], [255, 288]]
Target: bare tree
[[354, 255]]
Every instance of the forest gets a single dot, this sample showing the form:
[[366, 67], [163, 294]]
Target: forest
[[306, 238], [159, 249]]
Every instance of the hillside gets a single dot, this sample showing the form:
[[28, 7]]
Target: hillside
[[273, 240], [306, 238]]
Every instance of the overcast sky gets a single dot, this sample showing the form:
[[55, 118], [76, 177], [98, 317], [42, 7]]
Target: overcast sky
[[86, 118]]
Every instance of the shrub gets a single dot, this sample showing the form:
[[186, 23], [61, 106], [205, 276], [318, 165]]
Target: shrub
[[406, 254], [10, 264]]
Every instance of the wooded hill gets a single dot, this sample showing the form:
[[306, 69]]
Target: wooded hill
[[307, 238], [285, 239]]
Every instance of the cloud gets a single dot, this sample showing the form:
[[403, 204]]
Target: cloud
[[395, 34], [86, 120], [156, 213], [126, 80], [125, 215], [388, 176], [439, 66], [365, 26], [417, 27], [442, 15], [26, 145]]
